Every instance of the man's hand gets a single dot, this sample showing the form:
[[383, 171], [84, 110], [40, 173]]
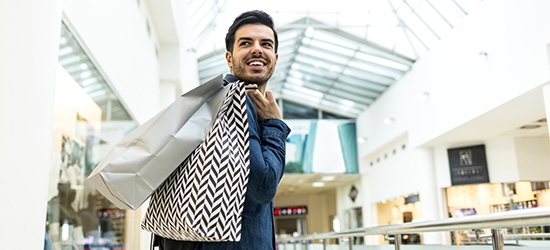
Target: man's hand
[[266, 106]]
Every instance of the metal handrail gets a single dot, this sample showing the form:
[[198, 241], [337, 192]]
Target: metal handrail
[[517, 218], [511, 236]]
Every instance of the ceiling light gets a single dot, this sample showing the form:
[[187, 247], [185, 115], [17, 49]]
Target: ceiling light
[[296, 74], [361, 140], [318, 184], [85, 74], [530, 126], [389, 120], [328, 178], [309, 31], [347, 103], [423, 95]]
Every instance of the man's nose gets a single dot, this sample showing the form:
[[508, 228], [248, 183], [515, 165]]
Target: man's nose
[[256, 49]]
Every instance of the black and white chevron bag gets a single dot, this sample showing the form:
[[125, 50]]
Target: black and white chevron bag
[[202, 200]]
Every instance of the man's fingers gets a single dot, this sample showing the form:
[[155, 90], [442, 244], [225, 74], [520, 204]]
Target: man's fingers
[[269, 96], [253, 94]]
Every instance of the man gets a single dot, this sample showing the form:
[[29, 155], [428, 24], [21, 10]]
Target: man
[[251, 44]]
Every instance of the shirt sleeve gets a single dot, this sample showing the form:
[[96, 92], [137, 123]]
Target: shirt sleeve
[[267, 156]]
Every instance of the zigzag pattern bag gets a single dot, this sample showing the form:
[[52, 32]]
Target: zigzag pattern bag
[[202, 200]]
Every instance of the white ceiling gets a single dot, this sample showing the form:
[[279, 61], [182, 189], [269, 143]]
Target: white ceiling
[[302, 184], [505, 120]]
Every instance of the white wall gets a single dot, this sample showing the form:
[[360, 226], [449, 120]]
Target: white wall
[[344, 202], [393, 174], [533, 158], [29, 40], [115, 32], [501, 160], [462, 84]]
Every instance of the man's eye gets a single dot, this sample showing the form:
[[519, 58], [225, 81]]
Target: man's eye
[[268, 44], [245, 43]]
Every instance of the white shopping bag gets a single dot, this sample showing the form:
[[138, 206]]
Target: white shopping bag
[[141, 161]]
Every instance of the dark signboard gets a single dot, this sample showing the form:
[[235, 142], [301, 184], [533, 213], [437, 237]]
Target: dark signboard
[[412, 199], [468, 165], [297, 210]]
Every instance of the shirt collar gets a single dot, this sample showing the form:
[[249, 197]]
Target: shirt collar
[[229, 78]]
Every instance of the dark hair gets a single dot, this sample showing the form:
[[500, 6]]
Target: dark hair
[[249, 17]]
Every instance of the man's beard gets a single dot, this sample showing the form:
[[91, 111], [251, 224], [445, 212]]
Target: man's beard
[[259, 79]]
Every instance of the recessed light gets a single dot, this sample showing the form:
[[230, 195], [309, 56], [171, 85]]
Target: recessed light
[[530, 126], [361, 140], [389, 120], [423, 95], [328, 178], [318, 184]]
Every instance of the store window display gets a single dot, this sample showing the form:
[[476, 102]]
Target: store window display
[[399, 210], [86, 125], [486, 198], [64, 224]]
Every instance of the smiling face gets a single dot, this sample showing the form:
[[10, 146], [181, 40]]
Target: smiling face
[[253, 58]]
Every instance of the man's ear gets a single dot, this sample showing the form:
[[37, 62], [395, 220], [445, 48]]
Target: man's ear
[[229, 59]]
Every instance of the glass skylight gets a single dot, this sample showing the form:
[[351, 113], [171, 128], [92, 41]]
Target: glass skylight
[[333, 52]]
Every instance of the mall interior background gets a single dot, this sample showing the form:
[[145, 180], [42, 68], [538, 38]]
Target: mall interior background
[[77, 75]]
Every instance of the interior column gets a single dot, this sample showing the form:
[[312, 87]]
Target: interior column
[[429, 194], [30, 33]]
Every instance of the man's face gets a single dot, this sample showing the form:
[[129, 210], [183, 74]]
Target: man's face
[[253, 58]]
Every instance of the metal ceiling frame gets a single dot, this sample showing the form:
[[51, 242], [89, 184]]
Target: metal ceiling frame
[[342, 74], [78, 62]]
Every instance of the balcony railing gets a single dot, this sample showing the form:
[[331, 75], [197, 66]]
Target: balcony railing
[[495, 222]]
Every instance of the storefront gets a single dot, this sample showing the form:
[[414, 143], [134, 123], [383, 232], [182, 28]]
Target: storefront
[[88, 120], [290, 221], [466, 200], [398, 210]]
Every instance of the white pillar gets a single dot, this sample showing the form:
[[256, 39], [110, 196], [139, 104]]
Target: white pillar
[[189, 77], [546, 96], [546, 91], [190, 69], [29, 41], [429, 194], [369, 209]]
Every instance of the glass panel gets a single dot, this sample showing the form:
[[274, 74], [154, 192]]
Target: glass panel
[[87, 123], [296, 111], [390, 33], [432, 18], [310, 140], [331, 116]]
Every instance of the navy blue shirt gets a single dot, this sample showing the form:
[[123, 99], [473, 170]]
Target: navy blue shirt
[[267, 163]]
